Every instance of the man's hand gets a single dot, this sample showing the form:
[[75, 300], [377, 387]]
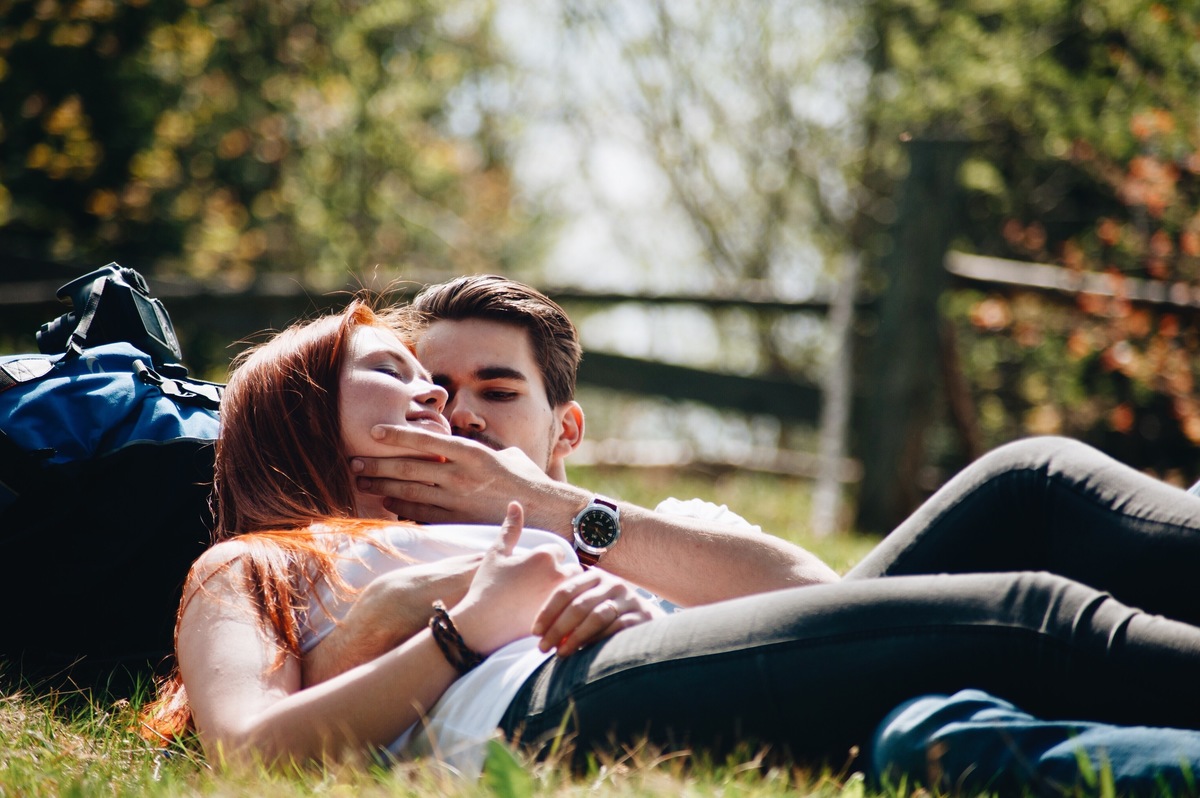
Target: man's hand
[[685, 560], [464, 482], [589, 607]]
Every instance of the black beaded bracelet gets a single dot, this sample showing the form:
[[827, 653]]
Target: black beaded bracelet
[[457, 652]]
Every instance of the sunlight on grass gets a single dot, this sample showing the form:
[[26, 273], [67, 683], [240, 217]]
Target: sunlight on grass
[[74, 743], [70, 744]]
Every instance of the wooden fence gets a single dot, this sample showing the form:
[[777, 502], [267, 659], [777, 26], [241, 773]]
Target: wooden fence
[[904, 372]]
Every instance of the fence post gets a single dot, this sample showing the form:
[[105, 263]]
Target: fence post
[[901, 380]]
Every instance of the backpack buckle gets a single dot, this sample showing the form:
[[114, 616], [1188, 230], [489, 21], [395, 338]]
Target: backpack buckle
[[184, 392]]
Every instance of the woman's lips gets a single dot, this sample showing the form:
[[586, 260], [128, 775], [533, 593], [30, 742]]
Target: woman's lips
[[432, 422]]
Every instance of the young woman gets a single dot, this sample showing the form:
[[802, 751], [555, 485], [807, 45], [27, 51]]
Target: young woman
[[300, 554]]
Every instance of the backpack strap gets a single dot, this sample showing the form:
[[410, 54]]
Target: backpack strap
[[183, 391], [23, 370]]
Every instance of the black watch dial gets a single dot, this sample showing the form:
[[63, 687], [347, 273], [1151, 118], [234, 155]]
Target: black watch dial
[[598, 529]]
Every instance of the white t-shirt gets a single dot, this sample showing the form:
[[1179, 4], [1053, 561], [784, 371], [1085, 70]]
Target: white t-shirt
[[460, 724], [457, 728], [704, 511]]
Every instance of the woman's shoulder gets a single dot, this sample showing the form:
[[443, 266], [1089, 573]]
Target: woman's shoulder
[[218, 557]]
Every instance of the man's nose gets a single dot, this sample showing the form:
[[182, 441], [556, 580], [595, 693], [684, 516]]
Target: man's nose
[[461, 414]]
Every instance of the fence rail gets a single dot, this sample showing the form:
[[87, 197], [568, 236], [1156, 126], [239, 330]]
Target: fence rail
[[225, 313], [1070, 283]]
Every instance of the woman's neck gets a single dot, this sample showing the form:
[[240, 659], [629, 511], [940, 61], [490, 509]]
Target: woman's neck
[[370, 506]]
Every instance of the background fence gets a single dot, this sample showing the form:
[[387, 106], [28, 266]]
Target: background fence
[[906, 370]]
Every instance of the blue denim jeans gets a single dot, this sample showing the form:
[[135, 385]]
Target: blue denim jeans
[[1028, 575], [974, 742]]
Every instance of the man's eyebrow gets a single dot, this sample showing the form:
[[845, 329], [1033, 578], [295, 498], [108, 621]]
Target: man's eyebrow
[[500, 373]]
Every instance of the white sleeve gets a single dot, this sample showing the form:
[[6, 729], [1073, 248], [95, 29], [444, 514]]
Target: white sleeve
[[704, 511]]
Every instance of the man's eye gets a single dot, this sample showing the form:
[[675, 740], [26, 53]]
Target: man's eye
[[501, 396]]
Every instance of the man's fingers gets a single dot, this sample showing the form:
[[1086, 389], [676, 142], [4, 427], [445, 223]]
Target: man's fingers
[[422, 440], [598, 622], [562, 598], [415, 492], [405, 469], [583, 617]]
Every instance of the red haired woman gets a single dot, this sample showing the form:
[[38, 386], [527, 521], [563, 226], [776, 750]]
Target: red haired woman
[[296, 546], [301, 556]]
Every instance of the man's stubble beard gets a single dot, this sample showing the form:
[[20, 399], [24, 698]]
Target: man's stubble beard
[[495, 445]]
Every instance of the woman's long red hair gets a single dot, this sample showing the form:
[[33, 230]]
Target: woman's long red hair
[[280, 468]]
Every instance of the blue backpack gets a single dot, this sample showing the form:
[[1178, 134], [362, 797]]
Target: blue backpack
[[106, 457]]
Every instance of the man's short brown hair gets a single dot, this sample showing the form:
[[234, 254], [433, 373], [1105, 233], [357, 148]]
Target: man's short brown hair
[[552, 336]]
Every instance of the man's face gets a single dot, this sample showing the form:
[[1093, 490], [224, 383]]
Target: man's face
[[496, 392]]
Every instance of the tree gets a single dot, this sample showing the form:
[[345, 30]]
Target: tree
[[1084, 128], [225, 138]]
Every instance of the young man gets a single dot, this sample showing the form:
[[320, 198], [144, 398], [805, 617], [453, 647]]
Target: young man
[[508, 356]]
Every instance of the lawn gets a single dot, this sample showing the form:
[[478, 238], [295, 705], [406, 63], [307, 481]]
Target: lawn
[[82, 743]]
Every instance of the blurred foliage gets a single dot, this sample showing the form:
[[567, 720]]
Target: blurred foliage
[[1085, 129], [222, 138], [742, 121]]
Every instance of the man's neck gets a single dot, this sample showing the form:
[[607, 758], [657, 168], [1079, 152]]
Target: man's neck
[[557, 470]]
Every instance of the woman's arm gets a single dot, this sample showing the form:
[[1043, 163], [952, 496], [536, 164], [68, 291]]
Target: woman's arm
[[583, 609], [248, 707], [391, 609]]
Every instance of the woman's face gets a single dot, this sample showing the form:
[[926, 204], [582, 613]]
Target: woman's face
[[382, 383]]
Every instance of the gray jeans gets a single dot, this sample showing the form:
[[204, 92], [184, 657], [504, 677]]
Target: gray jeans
[[1074, 540]]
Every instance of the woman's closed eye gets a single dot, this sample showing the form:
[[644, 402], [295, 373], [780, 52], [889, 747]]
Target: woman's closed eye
[[387, 369], [393, 370]]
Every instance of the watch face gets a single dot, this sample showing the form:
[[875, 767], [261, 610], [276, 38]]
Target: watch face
[[598, 529]]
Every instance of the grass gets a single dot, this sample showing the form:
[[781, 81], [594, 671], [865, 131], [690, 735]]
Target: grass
[[76, 745], [79, 743]]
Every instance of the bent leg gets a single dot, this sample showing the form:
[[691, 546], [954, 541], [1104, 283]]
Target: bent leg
[[1057, 505], [813, 670], [974, 742]]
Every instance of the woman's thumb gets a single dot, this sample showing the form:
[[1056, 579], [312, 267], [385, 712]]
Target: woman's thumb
[[510, 530]]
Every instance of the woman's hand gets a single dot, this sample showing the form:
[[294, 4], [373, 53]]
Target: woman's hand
[[588, 607], [388, 611], [509, 588]]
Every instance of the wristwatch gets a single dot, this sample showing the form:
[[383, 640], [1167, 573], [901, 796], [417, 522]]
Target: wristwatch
[[597, 527]]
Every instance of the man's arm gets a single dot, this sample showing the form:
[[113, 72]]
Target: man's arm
[[685, 560]]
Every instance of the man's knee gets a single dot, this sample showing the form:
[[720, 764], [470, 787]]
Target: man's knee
[[1046, 457], [1040, 450]]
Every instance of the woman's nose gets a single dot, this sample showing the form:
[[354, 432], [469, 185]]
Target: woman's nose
[[434, 396]]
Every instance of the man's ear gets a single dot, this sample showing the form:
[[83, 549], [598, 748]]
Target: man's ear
[[570, 431]]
